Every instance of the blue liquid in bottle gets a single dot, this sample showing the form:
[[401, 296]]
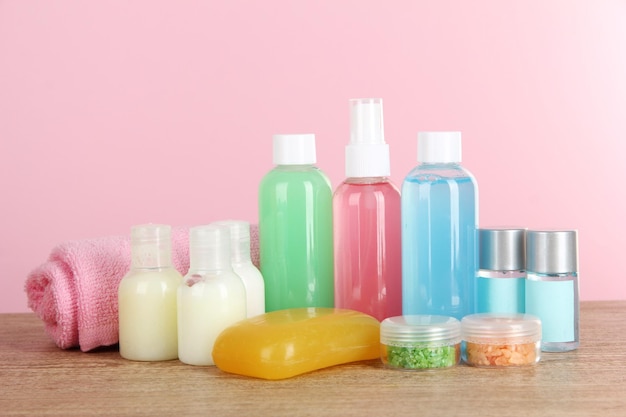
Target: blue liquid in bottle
[[439, 231]]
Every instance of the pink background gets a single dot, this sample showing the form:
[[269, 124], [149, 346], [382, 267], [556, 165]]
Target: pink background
[[124, 112]]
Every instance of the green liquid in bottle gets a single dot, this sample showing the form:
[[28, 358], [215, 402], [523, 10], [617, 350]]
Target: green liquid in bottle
[[296, 237]]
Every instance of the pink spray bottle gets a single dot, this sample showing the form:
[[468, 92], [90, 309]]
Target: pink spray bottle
[[366, 220]]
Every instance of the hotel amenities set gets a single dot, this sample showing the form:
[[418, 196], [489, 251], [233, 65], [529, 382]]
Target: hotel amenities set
[[365, 272]]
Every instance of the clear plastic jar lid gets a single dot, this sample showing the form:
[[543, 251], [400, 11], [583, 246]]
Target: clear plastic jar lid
[[412, 329], [492, 327]]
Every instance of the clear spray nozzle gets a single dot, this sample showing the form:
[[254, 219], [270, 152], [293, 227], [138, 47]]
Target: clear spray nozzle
[[366, 121], [367, 154]]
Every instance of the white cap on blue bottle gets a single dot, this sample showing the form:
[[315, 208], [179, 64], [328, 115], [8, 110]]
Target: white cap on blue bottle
[[439, 147], [294, 149], [367, 154]]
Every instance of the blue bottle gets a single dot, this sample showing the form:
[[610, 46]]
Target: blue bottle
[[501, 282], [439, 206], [552, 287]]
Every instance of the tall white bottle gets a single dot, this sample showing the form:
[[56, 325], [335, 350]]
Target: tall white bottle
[[243, 266], [147, 297], [211, 297]]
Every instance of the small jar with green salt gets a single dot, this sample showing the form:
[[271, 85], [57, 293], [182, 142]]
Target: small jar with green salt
[[419, 342]]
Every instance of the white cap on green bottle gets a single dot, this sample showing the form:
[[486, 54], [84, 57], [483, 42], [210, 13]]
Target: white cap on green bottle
[[294, 149]]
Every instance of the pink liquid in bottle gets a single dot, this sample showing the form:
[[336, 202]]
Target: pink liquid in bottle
[[368, 274]]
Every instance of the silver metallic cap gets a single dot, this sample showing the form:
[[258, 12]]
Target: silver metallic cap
[[502, 249], [552, 251]]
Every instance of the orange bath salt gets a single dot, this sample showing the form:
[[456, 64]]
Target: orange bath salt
[[499, 340], [286, 343], [480, 354]]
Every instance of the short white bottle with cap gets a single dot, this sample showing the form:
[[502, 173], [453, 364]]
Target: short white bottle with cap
[[211, 296], [147, 297], [439, 230], [243, 266], [366, 219], [296, 228]]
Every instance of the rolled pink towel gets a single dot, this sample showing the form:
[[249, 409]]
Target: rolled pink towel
[[75, 291]]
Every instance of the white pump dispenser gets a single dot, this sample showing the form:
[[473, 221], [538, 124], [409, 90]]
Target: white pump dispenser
[[367, 154]]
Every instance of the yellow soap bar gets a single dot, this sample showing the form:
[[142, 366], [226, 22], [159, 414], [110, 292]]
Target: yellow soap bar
[[286, 343]]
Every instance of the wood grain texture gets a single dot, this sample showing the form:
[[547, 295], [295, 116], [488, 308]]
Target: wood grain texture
[[37, 378]]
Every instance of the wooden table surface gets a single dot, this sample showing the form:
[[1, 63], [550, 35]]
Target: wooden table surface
[[38, 379]]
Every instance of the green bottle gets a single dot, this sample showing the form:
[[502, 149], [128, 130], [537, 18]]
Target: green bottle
[[296, 228]]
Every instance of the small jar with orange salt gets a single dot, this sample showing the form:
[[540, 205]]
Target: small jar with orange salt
[[501, 340]]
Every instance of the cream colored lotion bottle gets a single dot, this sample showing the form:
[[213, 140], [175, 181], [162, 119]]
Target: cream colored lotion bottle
[[211, 296], [147, 297], [243, 266]]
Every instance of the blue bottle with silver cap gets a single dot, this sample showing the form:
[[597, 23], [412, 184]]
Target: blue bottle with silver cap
[[500, 286], [552, 286]]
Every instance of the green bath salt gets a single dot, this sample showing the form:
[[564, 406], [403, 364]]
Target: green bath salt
[[415, 342], [421, 357]]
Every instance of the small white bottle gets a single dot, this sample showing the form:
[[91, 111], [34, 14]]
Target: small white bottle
[[243, 266], [211, 296], [147, 297]]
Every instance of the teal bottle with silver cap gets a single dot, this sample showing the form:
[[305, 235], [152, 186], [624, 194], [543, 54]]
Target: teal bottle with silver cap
[[552, 286], [500, 286]]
